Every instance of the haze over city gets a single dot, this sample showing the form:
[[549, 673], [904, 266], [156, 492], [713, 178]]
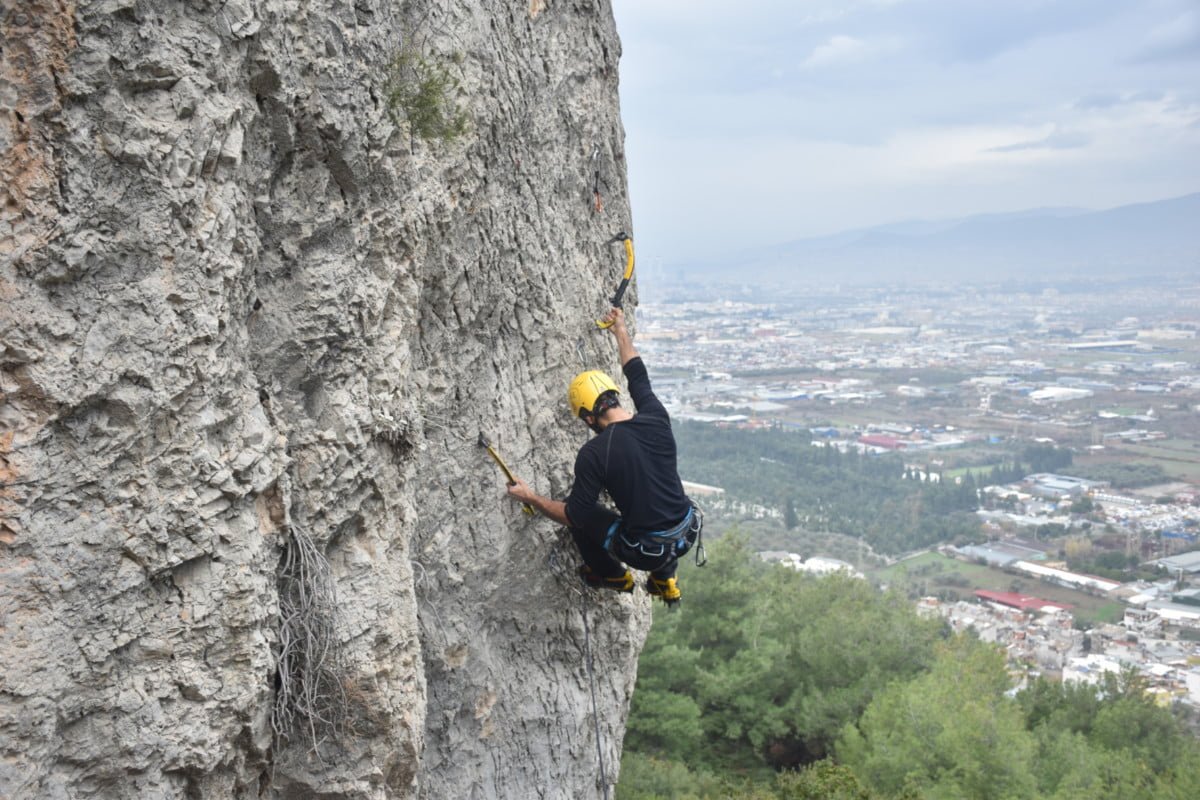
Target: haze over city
[[758, 123]]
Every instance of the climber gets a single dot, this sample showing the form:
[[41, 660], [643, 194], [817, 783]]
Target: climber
[[633, 459]]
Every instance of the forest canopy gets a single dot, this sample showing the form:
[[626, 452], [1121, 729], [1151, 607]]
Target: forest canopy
[[877, 498], [774, 685]]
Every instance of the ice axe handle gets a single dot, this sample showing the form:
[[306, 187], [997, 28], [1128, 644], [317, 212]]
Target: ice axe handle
[[616, 298], [528, 509], [615, 302], [624, 284]]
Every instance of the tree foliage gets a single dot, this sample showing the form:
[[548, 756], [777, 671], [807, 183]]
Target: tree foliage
[[773, 685], [1108, 741], [1123, 475], [1046, 457], [769, 663], [951, 732], [420, 92], [873, 497]]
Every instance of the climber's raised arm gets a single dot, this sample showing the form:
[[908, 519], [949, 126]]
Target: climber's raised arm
[[625, 349]]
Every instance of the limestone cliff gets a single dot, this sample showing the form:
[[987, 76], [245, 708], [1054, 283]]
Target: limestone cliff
[[250, 326]]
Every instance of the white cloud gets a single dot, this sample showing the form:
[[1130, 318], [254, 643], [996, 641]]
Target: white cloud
[[838, 50], [1175, 38], [1055, 140]]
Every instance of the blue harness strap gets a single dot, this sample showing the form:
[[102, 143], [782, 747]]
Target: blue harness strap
[[674, 533], [652, 544], [612, 531]]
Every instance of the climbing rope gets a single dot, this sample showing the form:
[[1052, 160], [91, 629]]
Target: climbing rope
[[567, 577], [587, 652]]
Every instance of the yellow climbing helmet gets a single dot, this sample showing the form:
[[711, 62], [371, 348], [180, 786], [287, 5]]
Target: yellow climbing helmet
[[585, 390]]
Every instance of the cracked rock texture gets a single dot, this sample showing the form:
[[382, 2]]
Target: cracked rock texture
[[241, 307]]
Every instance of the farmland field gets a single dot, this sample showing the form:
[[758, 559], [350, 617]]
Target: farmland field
[[1179, 458]]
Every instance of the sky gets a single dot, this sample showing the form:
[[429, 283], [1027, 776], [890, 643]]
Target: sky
[[756, 122]]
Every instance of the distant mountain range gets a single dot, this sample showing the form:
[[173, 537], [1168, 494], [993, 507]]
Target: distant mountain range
[[1159, 238]]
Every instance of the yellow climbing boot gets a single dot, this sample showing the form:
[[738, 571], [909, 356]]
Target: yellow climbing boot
[[666, 590], [619, 583]]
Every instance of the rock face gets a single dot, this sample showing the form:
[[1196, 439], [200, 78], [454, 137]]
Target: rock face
[[250, 327]]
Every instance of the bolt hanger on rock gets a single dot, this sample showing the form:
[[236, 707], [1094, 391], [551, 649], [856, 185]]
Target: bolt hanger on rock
[[624, 284], [484, 443]]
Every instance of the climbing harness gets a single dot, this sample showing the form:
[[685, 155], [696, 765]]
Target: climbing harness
[[483, 442], [656, 549], [597, 201], [587, 653], [624, 284]]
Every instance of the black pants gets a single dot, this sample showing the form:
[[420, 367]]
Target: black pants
[[590, 541]]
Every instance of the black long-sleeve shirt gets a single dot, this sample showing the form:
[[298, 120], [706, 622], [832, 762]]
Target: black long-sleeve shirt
[[635, 461]]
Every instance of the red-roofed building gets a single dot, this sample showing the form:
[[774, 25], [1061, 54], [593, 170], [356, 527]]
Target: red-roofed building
[[877, 440], [1021, 602]]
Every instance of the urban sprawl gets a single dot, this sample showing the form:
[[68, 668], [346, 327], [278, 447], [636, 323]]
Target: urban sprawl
[[944, 378]]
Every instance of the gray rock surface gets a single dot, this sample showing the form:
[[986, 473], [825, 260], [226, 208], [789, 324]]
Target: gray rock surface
[[245, 316]]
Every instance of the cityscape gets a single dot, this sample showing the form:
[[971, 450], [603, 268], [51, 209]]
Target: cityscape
[[952, 380]]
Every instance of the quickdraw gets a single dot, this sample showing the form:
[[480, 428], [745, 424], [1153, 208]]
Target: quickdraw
[[624, 284], [597, 201]]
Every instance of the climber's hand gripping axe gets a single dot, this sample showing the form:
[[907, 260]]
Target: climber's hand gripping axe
[[624, 284], [484, 443]]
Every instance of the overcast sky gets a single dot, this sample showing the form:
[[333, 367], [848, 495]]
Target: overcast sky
[[753, 122]]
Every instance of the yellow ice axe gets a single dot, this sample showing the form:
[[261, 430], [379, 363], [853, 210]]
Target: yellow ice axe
[[624, 284], [484, 443]]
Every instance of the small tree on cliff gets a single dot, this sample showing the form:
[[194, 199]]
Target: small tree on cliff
[[419, 92]]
